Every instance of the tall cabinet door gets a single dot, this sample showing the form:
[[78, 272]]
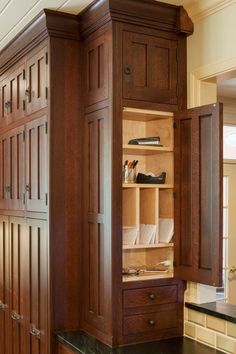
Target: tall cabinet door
[[18, 276], [16, 195], [37, 78], [4, 286], [4, 171], [36, 165], [198, 187], [37, 287]]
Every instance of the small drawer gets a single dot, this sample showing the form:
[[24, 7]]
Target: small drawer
[[150, 296], [153, 321]]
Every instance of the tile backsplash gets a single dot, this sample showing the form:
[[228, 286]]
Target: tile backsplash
[[211, 331]]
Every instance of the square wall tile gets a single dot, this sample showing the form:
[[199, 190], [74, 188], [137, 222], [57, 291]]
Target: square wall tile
[[225, 343], [231, 329], [216, 324], [197, 317], [189, 329], [206, 336]]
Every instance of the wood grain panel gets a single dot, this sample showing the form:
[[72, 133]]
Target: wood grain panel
[[62, 349], [37, 81], [4, 171], [198, 202], [96, 59], [36, 287], [96, 259], [4, 101], [36, 164], [18, 273], [149, 68], [16, 154], [4, 285]]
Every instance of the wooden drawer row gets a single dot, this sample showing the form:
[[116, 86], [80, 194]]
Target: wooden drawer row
[[24, 89], [150, 310]]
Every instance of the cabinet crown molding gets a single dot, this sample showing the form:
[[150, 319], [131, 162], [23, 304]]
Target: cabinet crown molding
[[148, 13], [47, 23]]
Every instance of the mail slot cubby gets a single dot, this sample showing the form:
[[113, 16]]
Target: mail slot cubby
[[130, 207], [149, 206]]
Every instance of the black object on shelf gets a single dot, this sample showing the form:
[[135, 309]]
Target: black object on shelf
[[148, 179], [152, 140]]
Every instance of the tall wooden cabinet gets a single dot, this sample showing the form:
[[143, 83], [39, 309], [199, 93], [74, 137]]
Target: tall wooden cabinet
[[74, 91], [40, 184]]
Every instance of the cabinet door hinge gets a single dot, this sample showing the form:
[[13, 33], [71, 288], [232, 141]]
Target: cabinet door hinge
[[23, 198], [177, 90], [174, 264], [46, 57], [23, 105], [46, 127], [175, 125], [46, 92], [23, 74], [174, 194], [46, 198], [24, 136]]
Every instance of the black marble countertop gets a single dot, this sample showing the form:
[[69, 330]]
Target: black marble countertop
[[217, 309], [81, 343]]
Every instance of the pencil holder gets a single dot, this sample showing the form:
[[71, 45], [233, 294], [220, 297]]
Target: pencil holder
[[129, 175]]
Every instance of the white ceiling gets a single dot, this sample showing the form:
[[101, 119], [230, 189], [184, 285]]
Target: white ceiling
[[15, 14], [227, 88]]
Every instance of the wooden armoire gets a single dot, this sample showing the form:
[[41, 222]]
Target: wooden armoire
[[74, 91]]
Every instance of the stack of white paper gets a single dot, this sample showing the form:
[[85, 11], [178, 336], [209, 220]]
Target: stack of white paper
[[166, 230], [148, 234], [130, 235]]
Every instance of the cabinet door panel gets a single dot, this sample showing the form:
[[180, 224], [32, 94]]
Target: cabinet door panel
[[150, 68], [37, 287], [198, 202], [17, 94], [18, 274], [37, 78], [36, 164], [4, 171], [16, 168], [97, 242], [4, 286], [5, 102]]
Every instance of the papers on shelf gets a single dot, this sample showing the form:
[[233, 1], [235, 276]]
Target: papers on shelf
[[130, 235], [148, 234], [166, 230]]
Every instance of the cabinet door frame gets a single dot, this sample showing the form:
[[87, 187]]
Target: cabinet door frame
[[199, 194]]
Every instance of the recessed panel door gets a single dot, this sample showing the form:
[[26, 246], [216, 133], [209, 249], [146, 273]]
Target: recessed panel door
[[37, 287], [4, 286], [36, 165], [37, 78], [4, 171]]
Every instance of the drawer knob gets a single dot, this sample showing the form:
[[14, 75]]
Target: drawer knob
[[35, 332], [2, 306], [151, 323], [152, 296]]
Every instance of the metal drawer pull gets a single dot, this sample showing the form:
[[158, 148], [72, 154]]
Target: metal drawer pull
[[7, 104], [151, 323], [35, 332], [15, 316], [2, 306], [27, 188], [152, 296], [127, 70], [27, 92]]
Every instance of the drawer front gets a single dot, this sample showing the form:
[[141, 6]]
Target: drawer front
[[150, 322], [150, 296]]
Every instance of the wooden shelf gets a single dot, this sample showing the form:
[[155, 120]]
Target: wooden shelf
[[144, 150], [145, 114], [160, 275], [157, 245], [142, 186]]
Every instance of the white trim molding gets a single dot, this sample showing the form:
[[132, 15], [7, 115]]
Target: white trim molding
[[199, 9]]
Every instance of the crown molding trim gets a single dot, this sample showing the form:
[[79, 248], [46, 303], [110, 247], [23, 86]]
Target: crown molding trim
[[200, 9]]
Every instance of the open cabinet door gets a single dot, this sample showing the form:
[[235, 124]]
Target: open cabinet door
[[198, 194]]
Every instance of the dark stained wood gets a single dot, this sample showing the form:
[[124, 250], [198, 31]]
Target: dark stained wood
[[4, 286], [37, 81], [97, 243], [62, 349], [150, 296], [149, 68], [4, 171], [198, 202], [184, 22], [36, 187]]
